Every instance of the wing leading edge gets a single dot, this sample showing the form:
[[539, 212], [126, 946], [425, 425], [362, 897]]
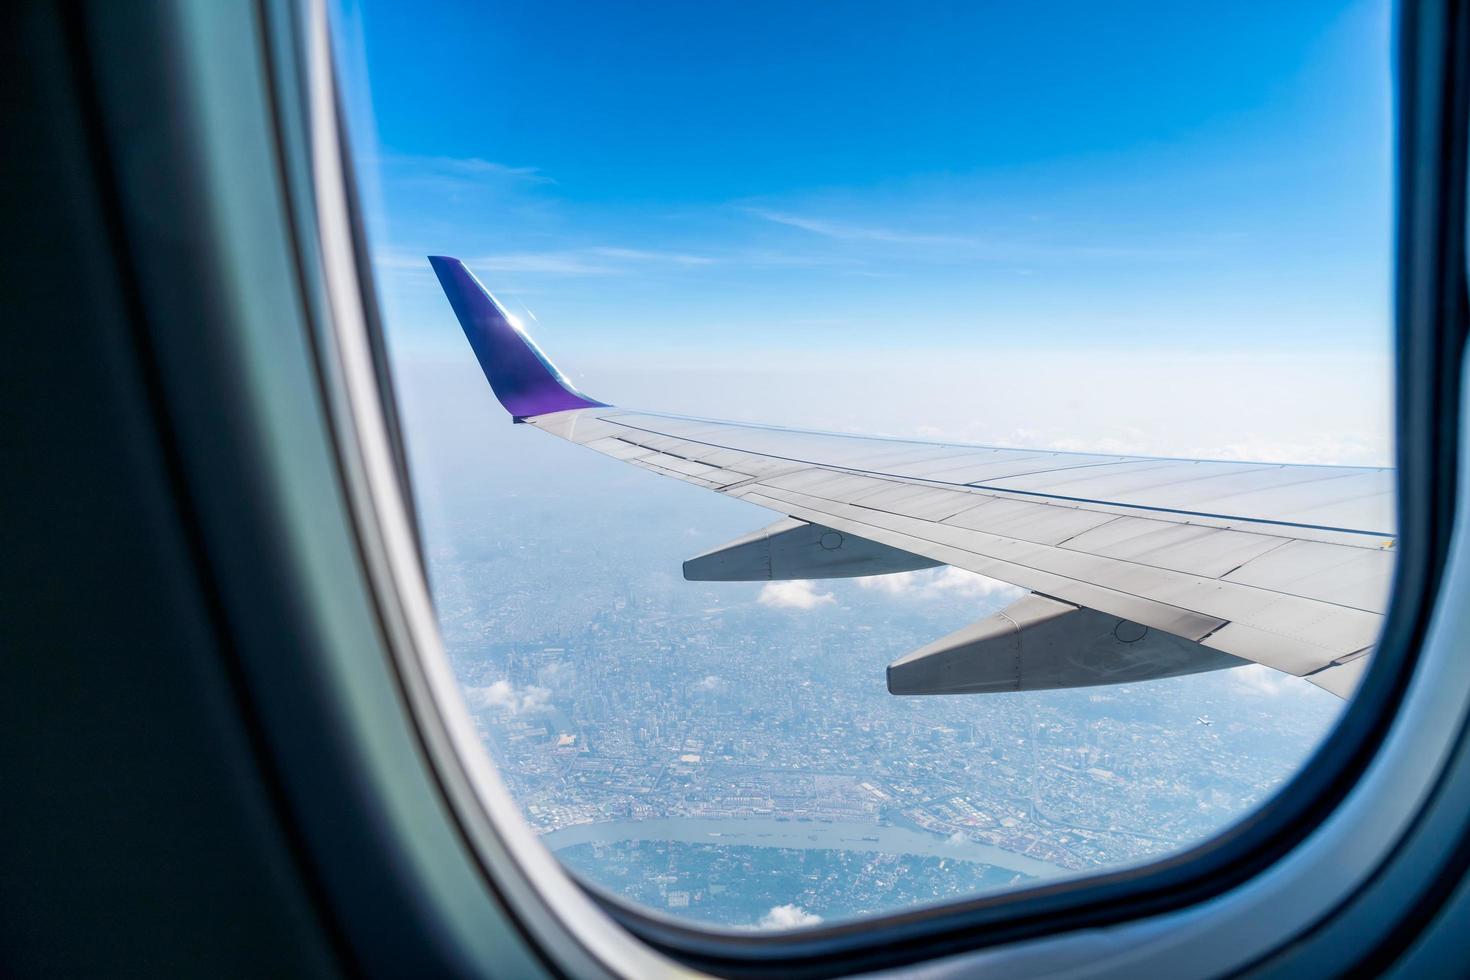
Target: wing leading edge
[[1287, 566]]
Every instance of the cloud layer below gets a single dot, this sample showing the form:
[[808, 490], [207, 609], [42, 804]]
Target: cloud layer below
[[505, 696], [934, 583], [801, 595], [788, 916]]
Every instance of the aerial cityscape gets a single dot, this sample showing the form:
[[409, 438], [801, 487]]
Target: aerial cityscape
[[728, 752]]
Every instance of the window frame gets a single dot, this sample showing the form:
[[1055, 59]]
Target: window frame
[[1359, 786]]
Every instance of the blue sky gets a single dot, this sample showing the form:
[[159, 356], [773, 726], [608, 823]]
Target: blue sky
[[1137, 227], [960, 177]]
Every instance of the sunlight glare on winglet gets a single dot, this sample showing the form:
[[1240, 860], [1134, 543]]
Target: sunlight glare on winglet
[[522, 377]]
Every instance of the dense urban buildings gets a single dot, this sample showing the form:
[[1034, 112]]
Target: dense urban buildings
[[729, 752]]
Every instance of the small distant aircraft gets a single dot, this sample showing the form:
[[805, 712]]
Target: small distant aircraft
[[1203, 720], [1139, 567]]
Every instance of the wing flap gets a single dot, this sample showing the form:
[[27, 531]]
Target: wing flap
[[793, 549], [1042, 644], [1330, 572], [1193, 548], [1340, 678]]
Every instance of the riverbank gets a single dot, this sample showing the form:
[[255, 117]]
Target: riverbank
[[771, 832]]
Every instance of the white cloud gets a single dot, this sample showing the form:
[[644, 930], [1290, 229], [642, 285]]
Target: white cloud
[[1321, 449], [489, 168], [899, 583], [1009, 247], [498, 695], [707, 684], [597, 260], [569, 263], [400, 261], [788, 916], [933, 583], [848, 232], [645, 255], [958, 839], [505, 696], [476, 167], [793, 595], [549, 263], [1260, 680], [557, 674]]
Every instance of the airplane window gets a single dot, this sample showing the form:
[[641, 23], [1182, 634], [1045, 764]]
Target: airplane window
[[965, 428]]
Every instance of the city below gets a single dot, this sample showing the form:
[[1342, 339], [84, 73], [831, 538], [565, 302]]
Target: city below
[[729, 753]]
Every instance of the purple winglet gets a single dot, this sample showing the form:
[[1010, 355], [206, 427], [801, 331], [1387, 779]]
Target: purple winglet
[[526, 383]]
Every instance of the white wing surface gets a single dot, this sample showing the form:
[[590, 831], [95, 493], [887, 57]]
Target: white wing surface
[[1287, 566]]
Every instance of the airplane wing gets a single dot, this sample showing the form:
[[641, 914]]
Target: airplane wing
[[1137, 567]]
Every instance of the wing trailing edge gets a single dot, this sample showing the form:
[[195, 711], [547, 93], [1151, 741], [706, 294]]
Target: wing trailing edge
[[1038, 643], [522, 377], [794, 549]]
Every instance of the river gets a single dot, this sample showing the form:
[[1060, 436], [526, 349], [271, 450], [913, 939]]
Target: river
[[770, 832]]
